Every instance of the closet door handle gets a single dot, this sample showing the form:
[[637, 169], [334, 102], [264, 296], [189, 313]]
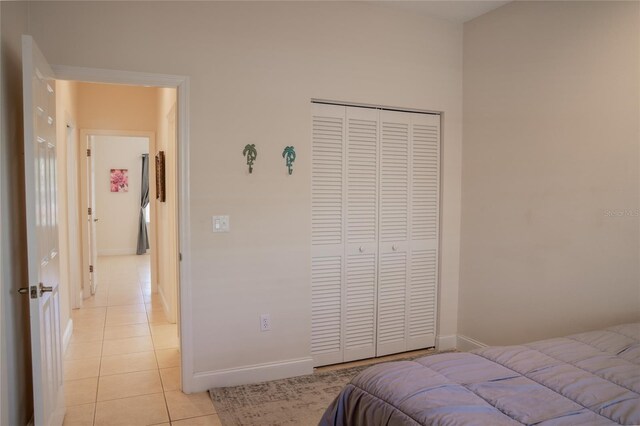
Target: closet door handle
[[394, 247], [361, 249]]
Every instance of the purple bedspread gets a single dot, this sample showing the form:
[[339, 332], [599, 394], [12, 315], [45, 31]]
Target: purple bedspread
[[585, 379]]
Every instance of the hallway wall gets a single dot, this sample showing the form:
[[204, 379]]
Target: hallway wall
[[117, 229], [166, 213], [66, 111]]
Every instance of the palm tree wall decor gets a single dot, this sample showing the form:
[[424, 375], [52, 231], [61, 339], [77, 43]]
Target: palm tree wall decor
[[289, 154], [251, 153]]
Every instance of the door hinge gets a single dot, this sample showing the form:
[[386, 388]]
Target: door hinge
[[180, 256], [89, 211], [91, 268], [88, 152]]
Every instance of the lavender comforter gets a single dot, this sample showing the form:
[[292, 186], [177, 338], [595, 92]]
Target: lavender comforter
[[585, 379]]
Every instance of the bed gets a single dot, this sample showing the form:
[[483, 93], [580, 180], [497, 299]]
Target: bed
[[590, 378]]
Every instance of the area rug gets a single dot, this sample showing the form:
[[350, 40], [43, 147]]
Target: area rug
[[299, 401]]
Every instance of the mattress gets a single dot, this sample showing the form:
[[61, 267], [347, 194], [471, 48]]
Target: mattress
[[590, 378]]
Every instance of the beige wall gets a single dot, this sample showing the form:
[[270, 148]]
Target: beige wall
[[116, 107], [166, 213], [551, 135], [117, 229], [66, 112], [15, 359], [252, 83]]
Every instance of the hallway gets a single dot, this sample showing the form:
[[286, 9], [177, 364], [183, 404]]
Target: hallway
[[122, 366]]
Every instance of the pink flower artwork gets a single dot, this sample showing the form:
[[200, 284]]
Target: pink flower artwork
[[119, 180]]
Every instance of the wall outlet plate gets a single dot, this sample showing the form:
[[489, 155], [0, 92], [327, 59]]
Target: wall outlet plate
[[265, 322]]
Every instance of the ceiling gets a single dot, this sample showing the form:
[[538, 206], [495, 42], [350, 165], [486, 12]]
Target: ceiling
[[452, 10]]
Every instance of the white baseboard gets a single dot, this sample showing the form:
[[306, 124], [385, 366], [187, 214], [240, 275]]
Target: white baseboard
[[446, 343], [251, 374], [66, 337], [466, 344], [116, 252]]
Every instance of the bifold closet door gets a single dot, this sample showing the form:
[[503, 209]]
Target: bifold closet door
[[394, 231], [424, 229], [362, 233], [409, 214], [327, 233], [375, 212]]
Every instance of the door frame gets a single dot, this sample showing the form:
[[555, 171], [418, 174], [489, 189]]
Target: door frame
[[181, 83], [74, 231], [85, 134]]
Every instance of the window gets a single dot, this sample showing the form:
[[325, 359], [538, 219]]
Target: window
[[147, 213]]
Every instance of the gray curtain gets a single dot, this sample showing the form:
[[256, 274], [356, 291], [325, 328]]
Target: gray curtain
[[143, 236]]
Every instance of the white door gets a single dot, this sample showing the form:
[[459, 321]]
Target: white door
[[42, 234], [424, 231], [361, 233], [89, 244], [92, 217], [327, 234], [395, 134]]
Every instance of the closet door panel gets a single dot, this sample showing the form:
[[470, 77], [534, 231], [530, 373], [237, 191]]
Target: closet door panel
[[359, 319], [327, 233], [361, 233], [395, 148], [424, 231]]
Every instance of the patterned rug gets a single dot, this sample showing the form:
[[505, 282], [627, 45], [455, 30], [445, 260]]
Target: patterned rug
[[299, 401]]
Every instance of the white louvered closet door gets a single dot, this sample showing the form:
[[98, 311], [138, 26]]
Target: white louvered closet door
[[395, 194], [327, 233], [375, 229], [359, 321], [424, 231]]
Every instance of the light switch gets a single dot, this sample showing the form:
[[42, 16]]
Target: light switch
[[220, 223]]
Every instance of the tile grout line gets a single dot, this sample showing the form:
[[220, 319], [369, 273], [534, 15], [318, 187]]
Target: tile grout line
[[155, 354], [104, 326]]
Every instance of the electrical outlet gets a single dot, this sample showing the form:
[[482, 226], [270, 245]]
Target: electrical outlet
[[265, 322]]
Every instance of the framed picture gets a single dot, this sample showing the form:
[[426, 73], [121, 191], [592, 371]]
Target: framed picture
[[160, 178], [119, 180]]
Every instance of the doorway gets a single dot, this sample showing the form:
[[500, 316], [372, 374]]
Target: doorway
[[125, 341]]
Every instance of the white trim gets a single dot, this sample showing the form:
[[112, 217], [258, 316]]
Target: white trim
[[165, 305], [466, 344], [116, 252], [446, 343], [66, 337], [252, 374], [74, 227], [182, 84], [103, 75]]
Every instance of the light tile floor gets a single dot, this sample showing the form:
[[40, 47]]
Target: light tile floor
[[122, 366]]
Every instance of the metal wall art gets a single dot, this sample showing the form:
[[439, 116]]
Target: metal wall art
[[289, 154], [161, 193], [251, 153]]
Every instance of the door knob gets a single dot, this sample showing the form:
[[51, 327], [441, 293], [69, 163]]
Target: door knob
[[361, 249], [44, 289], [394, 247]]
